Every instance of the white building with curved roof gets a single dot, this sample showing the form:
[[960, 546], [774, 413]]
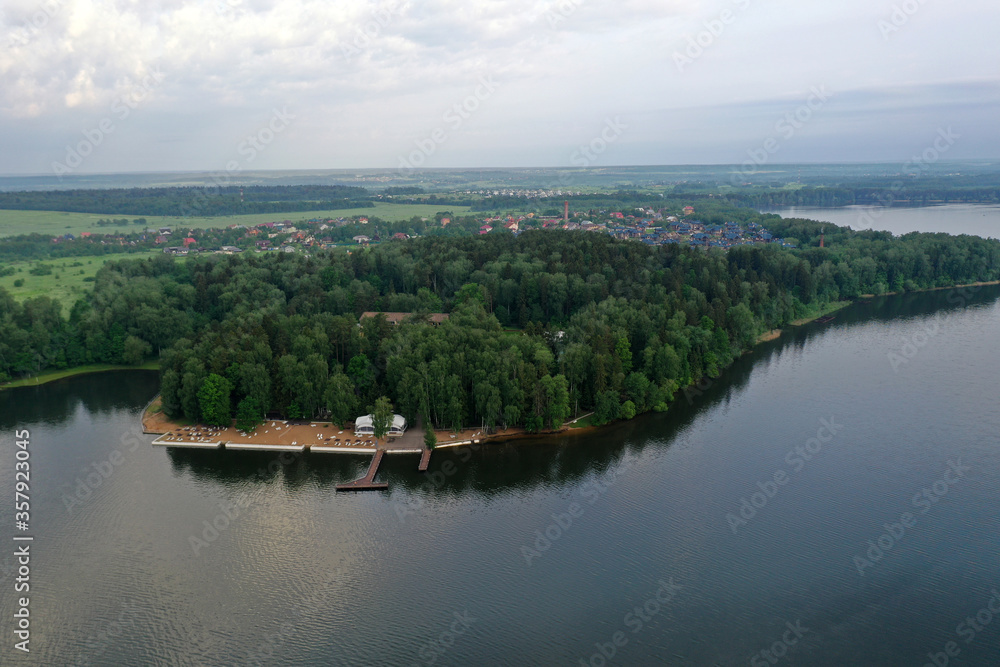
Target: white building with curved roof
[[366, 426]]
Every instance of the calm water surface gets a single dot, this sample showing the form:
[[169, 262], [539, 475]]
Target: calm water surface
[[978, 219], [456, 569]]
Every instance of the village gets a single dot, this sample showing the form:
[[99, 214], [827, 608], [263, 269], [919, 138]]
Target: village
[[648, 226], [645, 225]]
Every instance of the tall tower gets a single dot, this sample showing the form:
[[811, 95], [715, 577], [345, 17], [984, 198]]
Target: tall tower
[[566, 211], [822, 237]]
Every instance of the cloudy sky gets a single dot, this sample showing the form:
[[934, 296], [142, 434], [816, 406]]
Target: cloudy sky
[[156, 85]]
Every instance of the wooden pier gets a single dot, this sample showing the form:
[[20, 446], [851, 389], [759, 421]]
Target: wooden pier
[[367, 482], [425, 460]]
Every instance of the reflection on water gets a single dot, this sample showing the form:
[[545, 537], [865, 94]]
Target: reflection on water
[[216, 557]]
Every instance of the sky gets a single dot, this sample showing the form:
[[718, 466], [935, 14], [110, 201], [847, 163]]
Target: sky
[[224, 85]]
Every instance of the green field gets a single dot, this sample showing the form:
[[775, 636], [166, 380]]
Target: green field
[[66, 282], [55, 223]]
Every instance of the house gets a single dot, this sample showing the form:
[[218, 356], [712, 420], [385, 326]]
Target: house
[[366, 426], [689, 210], [400, 236], [230, 249], [188, 241], [361, 238]]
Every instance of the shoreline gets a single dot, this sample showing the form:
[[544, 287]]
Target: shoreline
[[308, 436], [51, 376], [988, 283], [445, 439]]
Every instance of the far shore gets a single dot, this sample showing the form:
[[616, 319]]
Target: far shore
[[931, 289], [52, 376]]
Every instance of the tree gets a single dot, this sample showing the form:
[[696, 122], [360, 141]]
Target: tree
[[135, 350], [169, 386], [430, 438], [339, 399], [556, 401], [382, 413], [213, 399], [191, 381], [248, 414], [361, 371], [741, 322], [255, 383], [608, 407]]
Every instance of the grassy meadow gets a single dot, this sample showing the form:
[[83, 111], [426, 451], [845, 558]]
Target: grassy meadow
[[55, 223], [66, 282]]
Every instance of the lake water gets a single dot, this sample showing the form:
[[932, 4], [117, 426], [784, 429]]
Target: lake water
[[978, 219], [824, 567]]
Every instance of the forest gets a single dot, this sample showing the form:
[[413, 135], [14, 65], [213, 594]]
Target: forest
[[188, 201], [543, 325]]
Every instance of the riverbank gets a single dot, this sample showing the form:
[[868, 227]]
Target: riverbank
[[52, 376], [827, 309], [317, 435], [934, 289]]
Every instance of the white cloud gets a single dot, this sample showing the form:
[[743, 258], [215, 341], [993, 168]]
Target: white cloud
[[368, 78]]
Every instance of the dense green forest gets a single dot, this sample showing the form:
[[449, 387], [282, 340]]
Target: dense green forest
[[187, 201], [543, 325]]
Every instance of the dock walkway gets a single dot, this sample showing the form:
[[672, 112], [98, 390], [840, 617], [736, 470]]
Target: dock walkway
[[367, 482], [425, 460]]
